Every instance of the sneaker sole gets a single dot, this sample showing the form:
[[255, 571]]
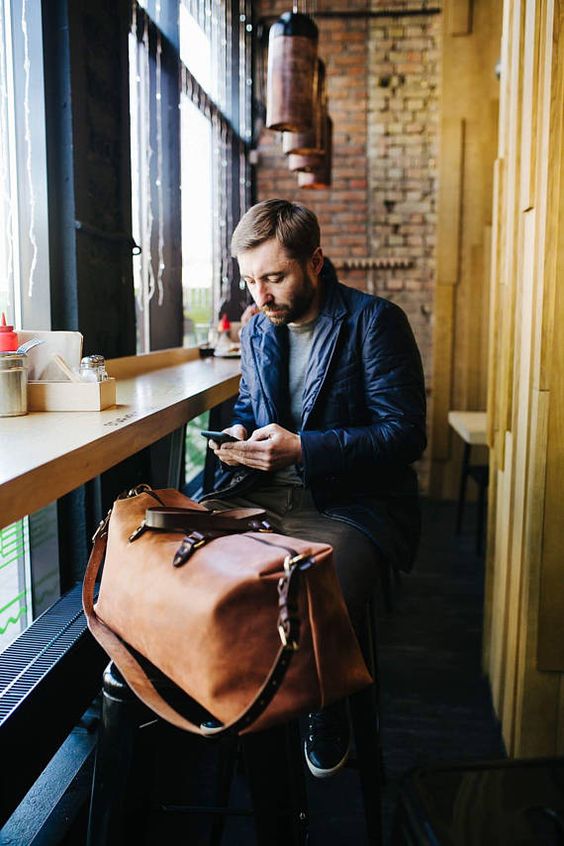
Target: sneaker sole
[[209, 731], [319, 773]]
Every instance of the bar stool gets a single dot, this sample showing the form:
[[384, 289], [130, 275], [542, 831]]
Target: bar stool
[[279, 803]]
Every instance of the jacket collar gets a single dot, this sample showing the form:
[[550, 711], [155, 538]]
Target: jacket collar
[[332, 306], [269, 345], [327, 330]]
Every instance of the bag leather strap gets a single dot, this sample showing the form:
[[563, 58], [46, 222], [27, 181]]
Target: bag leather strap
[[189, 519], [141, 683]]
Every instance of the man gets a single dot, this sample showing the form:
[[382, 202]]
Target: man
[[330, 414]]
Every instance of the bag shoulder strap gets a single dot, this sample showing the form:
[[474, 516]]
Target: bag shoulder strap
[[141, 683]]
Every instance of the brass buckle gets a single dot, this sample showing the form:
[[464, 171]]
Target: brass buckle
[[291, 645], [138, 489], [102, 527], [137, 532], [291, 562]]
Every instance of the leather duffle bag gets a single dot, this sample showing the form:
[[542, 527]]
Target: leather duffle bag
[[214, 614]]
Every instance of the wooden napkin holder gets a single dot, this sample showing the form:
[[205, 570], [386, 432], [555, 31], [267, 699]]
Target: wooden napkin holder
[[71, 396]]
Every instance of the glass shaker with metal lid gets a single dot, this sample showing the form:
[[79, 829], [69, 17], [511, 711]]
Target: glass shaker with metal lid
[[93, 368], [13, 384]]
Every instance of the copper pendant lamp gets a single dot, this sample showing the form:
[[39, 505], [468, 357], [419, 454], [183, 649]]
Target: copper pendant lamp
[[308, 162], [292, 65], [320, 177], [304, 164], [310, 142]]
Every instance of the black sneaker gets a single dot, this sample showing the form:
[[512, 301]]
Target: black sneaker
[[211, 726], [328, 740]]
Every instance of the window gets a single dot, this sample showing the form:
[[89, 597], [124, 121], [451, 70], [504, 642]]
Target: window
[[24, 260], [29, 578], [212, 62]]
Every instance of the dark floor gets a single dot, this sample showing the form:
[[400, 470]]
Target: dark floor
[[435, 701]]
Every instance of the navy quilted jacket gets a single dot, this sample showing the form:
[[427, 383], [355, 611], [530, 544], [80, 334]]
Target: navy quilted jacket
[[363, 420]]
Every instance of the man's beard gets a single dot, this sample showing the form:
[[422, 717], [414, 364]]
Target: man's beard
[[284, 314]]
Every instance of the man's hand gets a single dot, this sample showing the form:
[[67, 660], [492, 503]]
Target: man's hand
[[237, 431], [269, 448]]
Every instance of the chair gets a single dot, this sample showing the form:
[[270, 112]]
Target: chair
[[279, 803]]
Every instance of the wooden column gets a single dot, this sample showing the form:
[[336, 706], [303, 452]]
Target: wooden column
[[468, 138]]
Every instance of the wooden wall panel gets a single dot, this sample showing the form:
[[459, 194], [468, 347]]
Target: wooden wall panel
[[524, 627], [459, 17], [518, 494], [444, 316], [535, 720], [551, 178], [450, 208], [511, 88], [551, 608], [496, 665], [530, 93], [495, 299]]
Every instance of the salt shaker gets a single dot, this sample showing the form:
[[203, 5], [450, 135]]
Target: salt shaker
[[93, 368]]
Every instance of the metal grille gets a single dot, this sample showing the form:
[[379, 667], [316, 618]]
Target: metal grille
[[36, 651]]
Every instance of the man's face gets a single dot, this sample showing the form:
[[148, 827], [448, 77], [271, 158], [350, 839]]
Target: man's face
[[286, 290]]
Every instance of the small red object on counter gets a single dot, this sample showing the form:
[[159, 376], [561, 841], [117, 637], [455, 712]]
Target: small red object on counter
[[8, 338], [224, 324]]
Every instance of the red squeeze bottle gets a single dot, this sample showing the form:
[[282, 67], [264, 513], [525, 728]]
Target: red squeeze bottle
[[8, 338]]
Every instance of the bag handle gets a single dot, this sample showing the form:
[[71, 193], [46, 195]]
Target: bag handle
[[190, 519], [140, 682]]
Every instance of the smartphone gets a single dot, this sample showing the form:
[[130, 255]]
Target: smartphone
[[218, 437]]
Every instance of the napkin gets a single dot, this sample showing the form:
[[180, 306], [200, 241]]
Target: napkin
[[41, 367]]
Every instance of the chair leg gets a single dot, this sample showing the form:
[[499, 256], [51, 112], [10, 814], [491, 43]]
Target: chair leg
[[278, 798], [481, 519], [365, 713], [227, 760], [114, 756], [365, 721], [462, 488]]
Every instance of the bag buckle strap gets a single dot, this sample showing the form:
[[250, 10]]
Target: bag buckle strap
[[102, 527], [289, 635], [292, 561], [288, 620], [262, 526], [138, 489], [189, 544]]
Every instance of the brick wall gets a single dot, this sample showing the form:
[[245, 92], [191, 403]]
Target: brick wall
[[382, 81]]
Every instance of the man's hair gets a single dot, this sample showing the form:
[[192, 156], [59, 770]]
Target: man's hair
[[295, 227]]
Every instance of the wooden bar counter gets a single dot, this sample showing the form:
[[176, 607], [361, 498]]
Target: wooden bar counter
[[44, 455]]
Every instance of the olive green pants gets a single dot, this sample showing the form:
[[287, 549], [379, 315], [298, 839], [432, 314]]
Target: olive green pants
[[291, 510]]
